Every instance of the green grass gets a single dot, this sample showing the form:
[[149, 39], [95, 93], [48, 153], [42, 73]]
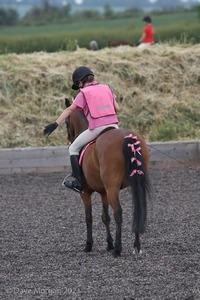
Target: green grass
[[182, 27], [135, 23], [53, 42]]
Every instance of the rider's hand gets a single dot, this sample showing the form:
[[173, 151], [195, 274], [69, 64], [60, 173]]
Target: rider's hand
[[50, 128]]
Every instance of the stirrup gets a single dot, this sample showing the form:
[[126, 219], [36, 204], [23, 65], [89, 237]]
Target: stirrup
[[73, 187], [76, 190], [69, 175]]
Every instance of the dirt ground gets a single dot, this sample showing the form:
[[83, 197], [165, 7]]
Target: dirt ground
[[43, 235]]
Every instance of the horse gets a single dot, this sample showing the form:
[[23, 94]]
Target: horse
[[117, 43], [118, 158]]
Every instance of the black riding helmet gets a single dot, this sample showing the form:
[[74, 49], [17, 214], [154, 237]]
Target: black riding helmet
[[79, 74], [147, 19]]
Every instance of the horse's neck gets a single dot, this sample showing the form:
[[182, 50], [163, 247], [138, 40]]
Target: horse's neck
[[80, 122]]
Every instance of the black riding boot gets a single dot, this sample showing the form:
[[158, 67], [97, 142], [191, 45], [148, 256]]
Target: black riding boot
[[76, 184]]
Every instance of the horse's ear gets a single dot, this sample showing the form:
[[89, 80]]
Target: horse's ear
[[67, 102]]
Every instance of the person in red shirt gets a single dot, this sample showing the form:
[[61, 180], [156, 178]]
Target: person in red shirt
[[147, 37]]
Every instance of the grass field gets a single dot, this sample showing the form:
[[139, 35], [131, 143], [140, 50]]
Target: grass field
[[56, 37], [183, 18]]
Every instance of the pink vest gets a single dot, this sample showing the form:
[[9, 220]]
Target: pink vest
[[100, 100]]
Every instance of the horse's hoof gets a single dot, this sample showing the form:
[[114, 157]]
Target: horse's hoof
[[110, 248], [88, 248], [116, 253], [136, 251]]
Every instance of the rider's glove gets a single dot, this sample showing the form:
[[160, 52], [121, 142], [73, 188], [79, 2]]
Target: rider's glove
[[50, 128]]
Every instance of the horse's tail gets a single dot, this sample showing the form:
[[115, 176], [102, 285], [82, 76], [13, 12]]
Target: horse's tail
[[138, 180]]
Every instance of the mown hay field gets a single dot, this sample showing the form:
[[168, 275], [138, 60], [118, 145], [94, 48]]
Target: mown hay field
[[158, 90]]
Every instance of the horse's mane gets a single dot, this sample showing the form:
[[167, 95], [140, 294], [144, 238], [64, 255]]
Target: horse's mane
[[78, 121], [80, 117]]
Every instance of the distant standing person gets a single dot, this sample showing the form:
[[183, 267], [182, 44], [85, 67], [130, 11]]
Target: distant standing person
[[147, 37], [94, 46]]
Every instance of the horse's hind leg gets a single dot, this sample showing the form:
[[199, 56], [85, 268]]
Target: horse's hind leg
[[106, 221], [137, 244], [113, 199], [86, 197]]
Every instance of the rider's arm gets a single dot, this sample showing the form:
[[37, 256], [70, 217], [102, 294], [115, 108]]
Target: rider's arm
[[66, 113], [142, 37], [116, 105]]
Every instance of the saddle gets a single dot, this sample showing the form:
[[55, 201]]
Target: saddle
[[83, 150]]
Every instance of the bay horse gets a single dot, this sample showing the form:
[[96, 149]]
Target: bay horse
[[117, 43], [118, 158]]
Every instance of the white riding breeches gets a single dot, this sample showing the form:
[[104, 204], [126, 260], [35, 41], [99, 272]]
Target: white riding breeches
[[85, 137], [144, 45]]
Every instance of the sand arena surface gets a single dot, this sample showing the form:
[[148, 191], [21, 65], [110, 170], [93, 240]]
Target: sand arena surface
[[43, 234]]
